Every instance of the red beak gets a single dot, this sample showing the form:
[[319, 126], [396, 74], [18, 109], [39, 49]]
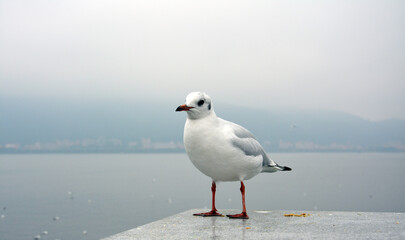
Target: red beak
[[183, 107]]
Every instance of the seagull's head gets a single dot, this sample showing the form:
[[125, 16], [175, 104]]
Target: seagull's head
[[198, 105]]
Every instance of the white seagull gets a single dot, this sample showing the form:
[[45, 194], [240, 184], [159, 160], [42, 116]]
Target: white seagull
[[222, 150]]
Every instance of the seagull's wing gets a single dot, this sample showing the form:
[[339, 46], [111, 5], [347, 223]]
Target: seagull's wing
[[246, 141]]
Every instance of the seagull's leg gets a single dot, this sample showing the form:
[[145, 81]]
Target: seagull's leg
[[213, 212], [242, 215]]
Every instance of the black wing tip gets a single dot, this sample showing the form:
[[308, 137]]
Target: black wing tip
[[286, 168]]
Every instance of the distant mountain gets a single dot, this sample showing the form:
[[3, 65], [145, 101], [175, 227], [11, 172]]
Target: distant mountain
[[35, 124], [322, 128]]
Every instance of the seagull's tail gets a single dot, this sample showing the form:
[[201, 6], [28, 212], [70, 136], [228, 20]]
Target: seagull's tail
[[275, 168], [271, 166]]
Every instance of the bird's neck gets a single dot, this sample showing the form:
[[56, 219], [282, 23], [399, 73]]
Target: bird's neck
[[211, 116]]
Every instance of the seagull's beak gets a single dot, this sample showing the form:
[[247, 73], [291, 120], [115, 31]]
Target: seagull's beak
[[183, 107]]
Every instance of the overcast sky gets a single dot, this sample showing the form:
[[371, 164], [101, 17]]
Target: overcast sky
[[339, 55]]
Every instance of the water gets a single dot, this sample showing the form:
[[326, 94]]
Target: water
[[89, 196]]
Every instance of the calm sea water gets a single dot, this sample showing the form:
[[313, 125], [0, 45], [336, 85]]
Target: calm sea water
[[86, 196]]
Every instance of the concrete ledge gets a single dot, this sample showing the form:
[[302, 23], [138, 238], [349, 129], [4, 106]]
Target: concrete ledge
[[273, 225]]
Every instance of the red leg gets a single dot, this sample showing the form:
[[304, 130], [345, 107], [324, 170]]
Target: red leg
[[242, 215], [213, 212]]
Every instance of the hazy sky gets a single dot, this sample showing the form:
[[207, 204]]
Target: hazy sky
[[340, 55]]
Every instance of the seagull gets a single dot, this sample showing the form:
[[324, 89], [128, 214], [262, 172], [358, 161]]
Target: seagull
[[222, 150]]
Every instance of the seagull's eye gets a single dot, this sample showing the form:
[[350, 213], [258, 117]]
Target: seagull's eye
[[200, 103]]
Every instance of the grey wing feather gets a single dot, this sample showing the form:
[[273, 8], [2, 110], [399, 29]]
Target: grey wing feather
[[242, 132], [247, 142]]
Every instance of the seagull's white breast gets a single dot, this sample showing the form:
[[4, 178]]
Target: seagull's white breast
[[208, 143]]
